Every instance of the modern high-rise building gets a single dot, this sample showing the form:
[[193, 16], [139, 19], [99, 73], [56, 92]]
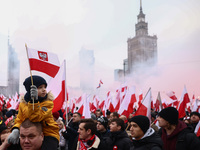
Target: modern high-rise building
[[142, 48], [13, 73], [87, 61]]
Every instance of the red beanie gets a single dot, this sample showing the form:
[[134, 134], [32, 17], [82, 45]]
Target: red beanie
[[56, 115]]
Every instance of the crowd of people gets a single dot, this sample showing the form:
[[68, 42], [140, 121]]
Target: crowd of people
[[34, 127]]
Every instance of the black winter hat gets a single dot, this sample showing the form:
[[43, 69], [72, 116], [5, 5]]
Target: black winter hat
[[142, 121], [170, 114], [103, 121], [195, 113], [37, 81], [9, 113]]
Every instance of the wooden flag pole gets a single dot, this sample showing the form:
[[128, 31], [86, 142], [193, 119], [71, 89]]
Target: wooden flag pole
[[66, 97], [30, 72]]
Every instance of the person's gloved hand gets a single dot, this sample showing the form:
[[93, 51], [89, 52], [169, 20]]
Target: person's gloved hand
[[14, 137], [34, 92]]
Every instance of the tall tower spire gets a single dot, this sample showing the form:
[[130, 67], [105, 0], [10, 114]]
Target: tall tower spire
[[141, 27]]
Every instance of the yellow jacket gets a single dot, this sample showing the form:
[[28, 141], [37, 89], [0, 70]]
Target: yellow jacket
[[42, 113]]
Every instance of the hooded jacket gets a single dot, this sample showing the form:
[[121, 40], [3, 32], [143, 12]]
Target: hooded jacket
[[42, 113], [182, 138], [150, 141]]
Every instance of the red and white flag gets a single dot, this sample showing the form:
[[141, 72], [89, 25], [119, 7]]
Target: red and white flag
[[57, 86], [140, 98], [145, 107], [197, 129], [172, 96], [100, 83], [126, 106], [158, 104], [43, 61], [86, 108], [183, 101]]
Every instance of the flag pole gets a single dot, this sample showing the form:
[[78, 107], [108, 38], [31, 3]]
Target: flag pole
[[30, 72], [66, 97]]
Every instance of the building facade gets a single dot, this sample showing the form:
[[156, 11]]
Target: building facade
[[87, 61], [142, 48], [13, 73]]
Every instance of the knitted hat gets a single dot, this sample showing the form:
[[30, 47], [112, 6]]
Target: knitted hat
[[103, 121], [37, 81], [195, 113], [9, 113], [142, 121], [170, 114]]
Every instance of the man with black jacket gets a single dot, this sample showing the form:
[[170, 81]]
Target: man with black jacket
[[72, 130], [176, 135], [118, 139], [143, 136]]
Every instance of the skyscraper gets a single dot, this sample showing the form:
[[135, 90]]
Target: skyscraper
[[13, 73], [142, 49]]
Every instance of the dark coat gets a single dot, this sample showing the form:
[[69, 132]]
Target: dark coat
[[71, 134], [119, 139], [182, 137], [151, 142]]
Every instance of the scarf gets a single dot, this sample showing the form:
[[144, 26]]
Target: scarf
[[84, 144]]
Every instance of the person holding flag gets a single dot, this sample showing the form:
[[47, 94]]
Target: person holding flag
[[37, 105]]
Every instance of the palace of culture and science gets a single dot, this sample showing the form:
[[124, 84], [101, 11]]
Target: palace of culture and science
[[142, 49]]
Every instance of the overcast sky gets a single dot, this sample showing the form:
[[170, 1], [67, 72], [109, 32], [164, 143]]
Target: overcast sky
[[65, 26]]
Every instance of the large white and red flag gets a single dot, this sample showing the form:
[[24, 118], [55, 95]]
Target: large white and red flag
[[81, 100], [145, 107], [43, 61], [171, 95], [126, 106], [183, 102], [86, 108], [57, 86]]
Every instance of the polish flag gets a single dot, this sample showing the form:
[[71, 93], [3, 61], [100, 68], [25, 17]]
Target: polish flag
[[116, 101], [86, 108], [110, 106], [82, 102], [158, 104], [107, 100], [93, 104], [43, 61], [100, 83], [145, 107], [57, 86], [140, 97], [197, 129], [171, 95], [183, 101], [126, 106]]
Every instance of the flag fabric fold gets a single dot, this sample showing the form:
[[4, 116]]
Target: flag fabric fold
[[43, 61], [145, 106], [182, 104], [57, 86]]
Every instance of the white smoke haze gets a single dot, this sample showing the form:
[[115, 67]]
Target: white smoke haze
[[64, 27]]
